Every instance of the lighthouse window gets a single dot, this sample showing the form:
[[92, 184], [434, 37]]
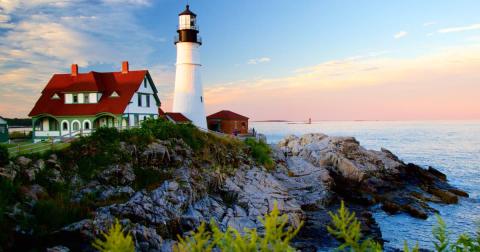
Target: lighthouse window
[[201, 98]]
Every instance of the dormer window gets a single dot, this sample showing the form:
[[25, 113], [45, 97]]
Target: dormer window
[[86, 98], [55, 96], [114, 94]]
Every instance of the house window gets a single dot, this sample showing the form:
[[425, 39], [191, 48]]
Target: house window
[[148, 100], [76, 126], [53, 125], [86, 125], [86, 98], [75, 98], [201, 99], [135, 120], [2, 129], [139, 100], [145, 83], [64, 126]]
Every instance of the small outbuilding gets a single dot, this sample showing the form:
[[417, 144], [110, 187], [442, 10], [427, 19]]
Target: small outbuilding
[[228, 122], [3, 130]]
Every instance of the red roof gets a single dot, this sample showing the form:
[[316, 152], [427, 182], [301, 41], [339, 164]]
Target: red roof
[[227, 115], [160, 112], [177, 117], [125, 85]]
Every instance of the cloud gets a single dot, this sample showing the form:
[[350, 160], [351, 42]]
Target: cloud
[[438, 85], [258, 61], [460, 28], [400, 34], [429, 23], [42, 37]]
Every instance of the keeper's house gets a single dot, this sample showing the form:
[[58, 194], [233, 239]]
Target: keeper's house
[[76, 103]]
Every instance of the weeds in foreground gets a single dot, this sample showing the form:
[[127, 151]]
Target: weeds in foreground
[[346, 227], [115, 240], [277, 237]]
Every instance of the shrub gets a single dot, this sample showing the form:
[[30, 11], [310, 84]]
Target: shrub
[[92, 154], [277, 237], [3, 155], [149, 179], [261, 152], [163, 130], [115, 240], [346, 227], [54, 213]]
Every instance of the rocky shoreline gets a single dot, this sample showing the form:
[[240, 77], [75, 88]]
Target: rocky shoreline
[[313, 173]]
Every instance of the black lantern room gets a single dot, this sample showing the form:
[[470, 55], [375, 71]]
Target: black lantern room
[[187, 27]]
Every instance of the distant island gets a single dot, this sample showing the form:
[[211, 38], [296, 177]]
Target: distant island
[[272, 121]]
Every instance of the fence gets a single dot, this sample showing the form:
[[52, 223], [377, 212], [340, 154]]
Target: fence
[[20, 149]]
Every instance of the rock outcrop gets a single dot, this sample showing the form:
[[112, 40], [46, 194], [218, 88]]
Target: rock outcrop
[[312, 174], [365, 176]]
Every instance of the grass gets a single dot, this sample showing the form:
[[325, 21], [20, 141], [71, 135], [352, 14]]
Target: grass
[[23, 142], [27, 147], [261, 152]]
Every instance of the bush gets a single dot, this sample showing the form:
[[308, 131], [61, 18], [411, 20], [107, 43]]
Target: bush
[[261, 152], [3, 155], [54, 213], [346, 228], [150, 178], [92, 154], [277, 237], [163, 130], [115, 240]]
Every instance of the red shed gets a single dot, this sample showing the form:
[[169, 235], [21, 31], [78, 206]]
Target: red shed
[[228, 122]]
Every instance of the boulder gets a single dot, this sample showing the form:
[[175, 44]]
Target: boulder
[[23, 161], [58, 249], [257, 191], [117, 175], [34, 192], [361, 176]]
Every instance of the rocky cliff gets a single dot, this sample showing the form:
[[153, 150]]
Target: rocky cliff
[[167, 188]]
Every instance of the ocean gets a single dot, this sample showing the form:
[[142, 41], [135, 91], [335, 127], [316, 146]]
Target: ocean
[[452, 147]]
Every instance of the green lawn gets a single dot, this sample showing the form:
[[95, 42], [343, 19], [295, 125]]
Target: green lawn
[[24, 142], [26, 147]]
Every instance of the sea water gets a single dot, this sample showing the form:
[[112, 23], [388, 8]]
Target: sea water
[[452, 147]]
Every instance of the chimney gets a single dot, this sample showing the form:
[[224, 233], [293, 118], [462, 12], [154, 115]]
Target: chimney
[[74, 69], [125, 67]]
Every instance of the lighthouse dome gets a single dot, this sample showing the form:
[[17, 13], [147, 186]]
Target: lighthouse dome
[[187, 11]]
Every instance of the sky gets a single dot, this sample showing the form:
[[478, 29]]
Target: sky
[[269, 59]]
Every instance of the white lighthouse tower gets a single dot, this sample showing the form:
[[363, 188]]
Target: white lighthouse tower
[[188, 98]]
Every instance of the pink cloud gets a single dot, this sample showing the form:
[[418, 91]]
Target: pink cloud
[[441, 85]]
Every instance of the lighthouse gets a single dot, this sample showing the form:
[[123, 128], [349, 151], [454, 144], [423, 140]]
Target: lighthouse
[[188, 98]]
